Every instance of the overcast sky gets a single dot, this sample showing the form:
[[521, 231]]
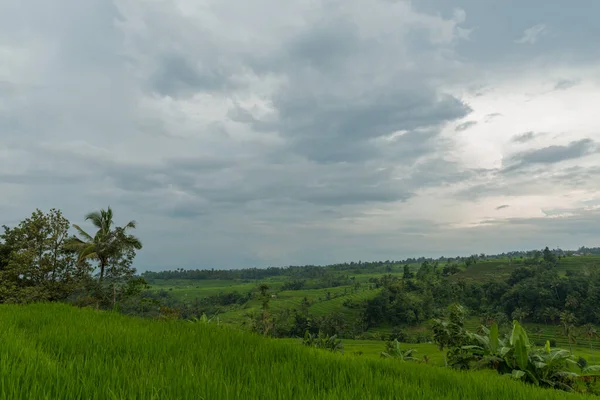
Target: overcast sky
[[268, 132]]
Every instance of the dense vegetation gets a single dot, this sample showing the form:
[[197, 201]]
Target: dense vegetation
[[41, 261]]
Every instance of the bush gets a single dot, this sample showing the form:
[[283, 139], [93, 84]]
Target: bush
[[399, 334]]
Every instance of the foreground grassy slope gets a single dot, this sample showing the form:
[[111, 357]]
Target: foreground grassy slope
[[59, 352]]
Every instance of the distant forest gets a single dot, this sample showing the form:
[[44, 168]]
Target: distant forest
[[317, 271]]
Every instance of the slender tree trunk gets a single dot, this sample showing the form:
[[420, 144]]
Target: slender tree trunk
[[570, 345], [102, 267]]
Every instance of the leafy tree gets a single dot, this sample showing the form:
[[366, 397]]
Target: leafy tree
[[399, 334], [331, 324], [266, 323], [36, 263], [304, 306], [551, 314], [549, 257], [407, 273], [451, 335]]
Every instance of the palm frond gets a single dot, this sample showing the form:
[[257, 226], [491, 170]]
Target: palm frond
[[83, 233], [89, 251], [74, 243], [97, 218], [130, 225]]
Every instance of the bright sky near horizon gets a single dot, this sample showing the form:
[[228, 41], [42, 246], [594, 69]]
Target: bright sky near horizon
[[266, 132]]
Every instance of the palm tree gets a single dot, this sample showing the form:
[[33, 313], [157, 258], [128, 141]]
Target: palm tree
[[519, 314], [567, 321], [107, 243], [590, 332], [550, 313]]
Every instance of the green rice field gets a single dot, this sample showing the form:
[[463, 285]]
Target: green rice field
[[55, 351]]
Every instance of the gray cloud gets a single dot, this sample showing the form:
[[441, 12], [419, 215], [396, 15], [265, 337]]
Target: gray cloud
[[524, 137], [492, 116], [553, 154], [565, 84], [531, 35], [338, 130], [503, 206], [176, 76], [465, 125]]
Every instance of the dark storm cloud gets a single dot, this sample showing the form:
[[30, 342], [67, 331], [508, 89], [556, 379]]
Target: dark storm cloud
[[328, 128]]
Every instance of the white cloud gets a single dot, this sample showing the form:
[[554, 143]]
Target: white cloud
[[533, 34]]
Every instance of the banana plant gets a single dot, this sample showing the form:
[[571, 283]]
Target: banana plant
[[205, 320], [514, 355], [320, 341], [393, 350], [489, 349]]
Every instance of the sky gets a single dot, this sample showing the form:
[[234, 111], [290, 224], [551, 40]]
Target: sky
[[270, 133]]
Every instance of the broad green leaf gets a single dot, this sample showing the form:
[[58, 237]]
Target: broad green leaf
[[592, 370], [504, 351], [517, 374], [520, 344]]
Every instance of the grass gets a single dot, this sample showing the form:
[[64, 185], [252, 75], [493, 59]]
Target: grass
[[60, 352]]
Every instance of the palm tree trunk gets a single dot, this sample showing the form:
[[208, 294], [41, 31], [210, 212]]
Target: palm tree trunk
[[570, 345], [102, 268]]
